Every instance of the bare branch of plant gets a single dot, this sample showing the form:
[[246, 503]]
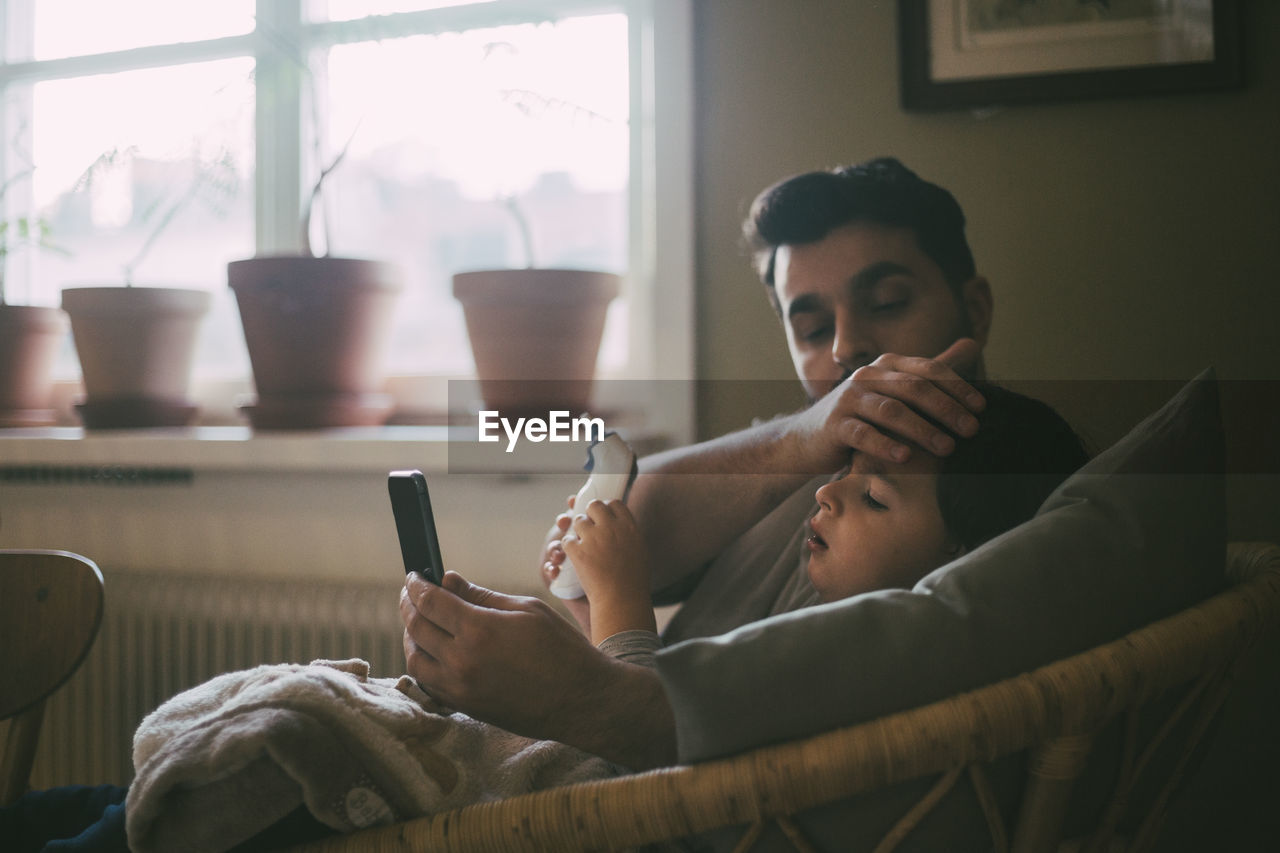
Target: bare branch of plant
[[22, 231], [315, 195], [537, 107], [214, 183], [512, 204]]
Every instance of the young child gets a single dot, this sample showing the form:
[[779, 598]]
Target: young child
[[877, 525]]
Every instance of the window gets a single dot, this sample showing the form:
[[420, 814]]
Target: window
[[471, 135]]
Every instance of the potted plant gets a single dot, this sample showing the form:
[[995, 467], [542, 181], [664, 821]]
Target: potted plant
[[535, 332], [29, 335], [136, 344], [316, 328]]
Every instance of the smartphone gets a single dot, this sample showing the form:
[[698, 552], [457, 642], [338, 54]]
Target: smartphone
[[415, 524]]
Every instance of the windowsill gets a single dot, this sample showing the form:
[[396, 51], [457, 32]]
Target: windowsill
[[417, 435], [228, 448], [438, 449]]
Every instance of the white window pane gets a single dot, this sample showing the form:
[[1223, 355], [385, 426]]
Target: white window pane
[[164, 152], [347, 10], [120, 24], [449, 133]]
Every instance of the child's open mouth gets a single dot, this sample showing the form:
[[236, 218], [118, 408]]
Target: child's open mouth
[[814, 541]]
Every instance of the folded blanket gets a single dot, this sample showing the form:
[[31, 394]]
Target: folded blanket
[[219, 763]]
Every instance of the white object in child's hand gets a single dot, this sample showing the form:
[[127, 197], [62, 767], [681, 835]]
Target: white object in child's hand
[[613, 467]]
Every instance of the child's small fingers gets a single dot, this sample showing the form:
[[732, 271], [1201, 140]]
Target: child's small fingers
[[599, 511]]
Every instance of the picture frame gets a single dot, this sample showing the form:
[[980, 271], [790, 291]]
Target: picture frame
[[958, 54]]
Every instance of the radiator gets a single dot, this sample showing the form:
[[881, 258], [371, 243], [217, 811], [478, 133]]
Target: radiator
[[164, 633]]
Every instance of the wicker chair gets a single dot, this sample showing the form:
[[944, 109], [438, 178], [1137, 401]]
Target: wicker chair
[[1054, 713]]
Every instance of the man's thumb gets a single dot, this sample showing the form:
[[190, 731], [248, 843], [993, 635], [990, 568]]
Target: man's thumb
[[476, 594]]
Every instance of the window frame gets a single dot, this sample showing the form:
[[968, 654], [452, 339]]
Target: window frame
[[661, 252]]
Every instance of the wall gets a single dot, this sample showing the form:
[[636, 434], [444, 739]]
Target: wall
[[1130, 239], [227, 503]]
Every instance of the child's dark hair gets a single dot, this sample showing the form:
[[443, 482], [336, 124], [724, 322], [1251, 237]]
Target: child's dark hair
[[998, 479]]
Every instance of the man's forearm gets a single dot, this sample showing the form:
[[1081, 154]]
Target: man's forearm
[[631, 722], [693, 501]]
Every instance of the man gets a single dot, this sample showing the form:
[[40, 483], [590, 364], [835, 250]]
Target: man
[[883, 310], [872, 277]]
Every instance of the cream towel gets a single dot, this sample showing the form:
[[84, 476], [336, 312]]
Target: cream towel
[[223, 761]]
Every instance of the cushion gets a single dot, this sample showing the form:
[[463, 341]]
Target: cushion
[[1136, 534]]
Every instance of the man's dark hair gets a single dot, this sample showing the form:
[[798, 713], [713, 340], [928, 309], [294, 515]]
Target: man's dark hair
[[998, 479], [806, 208]]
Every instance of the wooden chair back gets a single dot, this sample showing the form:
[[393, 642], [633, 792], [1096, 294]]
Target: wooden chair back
[[50, 609]]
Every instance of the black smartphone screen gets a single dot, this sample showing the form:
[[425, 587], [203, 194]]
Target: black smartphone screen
[[415, 524]]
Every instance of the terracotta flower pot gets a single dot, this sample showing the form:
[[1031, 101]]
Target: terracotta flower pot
[[29, 339], [136, 346], [535, 335], [317, 332]]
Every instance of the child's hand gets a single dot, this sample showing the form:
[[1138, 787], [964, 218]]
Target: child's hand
[[605, 546], [608, 552], [553, 557], [552, 552]]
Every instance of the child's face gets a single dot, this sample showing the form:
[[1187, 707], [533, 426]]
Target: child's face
[[877, 527]]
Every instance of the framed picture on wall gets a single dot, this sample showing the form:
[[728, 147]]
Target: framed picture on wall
[[982, 53]]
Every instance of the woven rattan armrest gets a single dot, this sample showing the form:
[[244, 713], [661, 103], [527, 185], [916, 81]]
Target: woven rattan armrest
[[1052, 711]]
